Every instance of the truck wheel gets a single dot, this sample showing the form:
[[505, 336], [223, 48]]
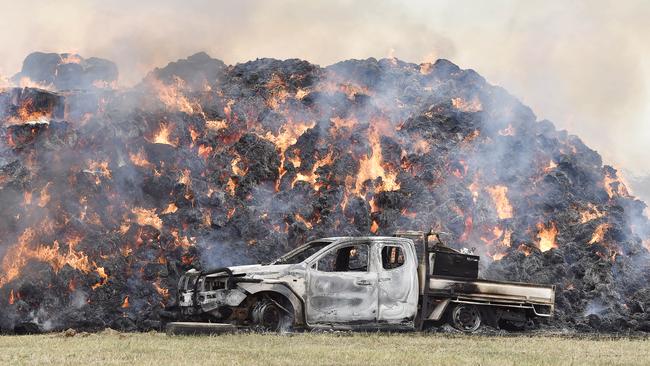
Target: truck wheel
[[269, 315], [466, 318]]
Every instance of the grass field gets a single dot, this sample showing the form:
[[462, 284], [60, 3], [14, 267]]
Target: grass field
[[320, 349]]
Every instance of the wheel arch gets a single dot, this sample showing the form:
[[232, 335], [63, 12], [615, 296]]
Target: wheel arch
[[257, 289]]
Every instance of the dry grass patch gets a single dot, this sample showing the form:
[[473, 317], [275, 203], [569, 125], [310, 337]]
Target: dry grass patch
[[110, 348]]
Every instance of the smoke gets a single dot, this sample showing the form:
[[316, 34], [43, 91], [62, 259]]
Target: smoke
[[581, 64], [594, 307]]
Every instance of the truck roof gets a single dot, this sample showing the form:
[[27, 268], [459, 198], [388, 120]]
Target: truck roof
[[336, 238]]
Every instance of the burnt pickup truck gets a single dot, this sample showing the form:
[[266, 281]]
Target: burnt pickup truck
[[403, 282]]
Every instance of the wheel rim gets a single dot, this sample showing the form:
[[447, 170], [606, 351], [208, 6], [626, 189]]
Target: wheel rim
[[466, 318], [268, 316], [271, 317]]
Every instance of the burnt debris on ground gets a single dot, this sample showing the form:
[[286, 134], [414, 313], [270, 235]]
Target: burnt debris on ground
[[109, 194]]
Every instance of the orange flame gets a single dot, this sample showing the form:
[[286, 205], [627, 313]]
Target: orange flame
[[501, 202], [312, 176], [549, 168], [161, 291], [507, 237], [27, 198], [498, 256], [371, 167], [301, 219], [474, 188], [162, 137], [171, 208], [27, 114], [235, 166], [339, 122], [172, 95], [182, 241], [98, 169], [546, 235], [374, 227], [18, 255], [185, 178], [103, 277], [599, 233], [287, 136], [347, 88], [301, 93], [26, 82], [45, 196], [421, 146], [215, 126], [139, 159], [277, 91], [615, 186], [145, 217], [524, 249], [591, 213], [204, 151], [231, 186], [471, 106]]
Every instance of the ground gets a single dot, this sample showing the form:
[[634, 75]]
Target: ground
[[321, 349]]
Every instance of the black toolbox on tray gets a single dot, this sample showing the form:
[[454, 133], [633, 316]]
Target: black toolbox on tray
[[450, 263]]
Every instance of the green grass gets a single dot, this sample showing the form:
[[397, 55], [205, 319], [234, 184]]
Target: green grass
[[320, 349]]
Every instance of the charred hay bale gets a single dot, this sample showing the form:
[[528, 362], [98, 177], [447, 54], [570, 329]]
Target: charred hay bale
[[261, 159], [27, 104], [40, 67], [294, 72], [158, 187], [161, 154], [364, 72], [67, 71], [333, 103], [358, 211], [196, 71]]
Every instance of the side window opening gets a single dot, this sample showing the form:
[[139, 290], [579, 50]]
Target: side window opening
[[351, 258], [392, 257]]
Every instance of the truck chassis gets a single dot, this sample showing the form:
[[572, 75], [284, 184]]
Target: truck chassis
[[282, 296]]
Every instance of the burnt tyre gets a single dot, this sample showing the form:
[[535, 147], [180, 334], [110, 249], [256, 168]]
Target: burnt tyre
[[271, 316], [466, 318]]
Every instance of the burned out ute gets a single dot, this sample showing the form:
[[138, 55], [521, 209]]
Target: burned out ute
[[363, 283]]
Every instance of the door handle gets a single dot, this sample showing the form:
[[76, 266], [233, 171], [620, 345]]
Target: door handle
[[363, 283], [385, 279]]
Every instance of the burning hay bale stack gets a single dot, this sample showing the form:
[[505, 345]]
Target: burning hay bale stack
[[118, 191]]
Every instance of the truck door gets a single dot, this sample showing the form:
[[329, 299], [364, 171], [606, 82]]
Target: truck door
[[342, 286], [398, 286]]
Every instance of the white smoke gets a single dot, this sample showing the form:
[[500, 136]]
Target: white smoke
[[582, 64]]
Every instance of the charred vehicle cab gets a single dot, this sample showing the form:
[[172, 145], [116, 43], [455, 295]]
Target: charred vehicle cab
[[362, 283]]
